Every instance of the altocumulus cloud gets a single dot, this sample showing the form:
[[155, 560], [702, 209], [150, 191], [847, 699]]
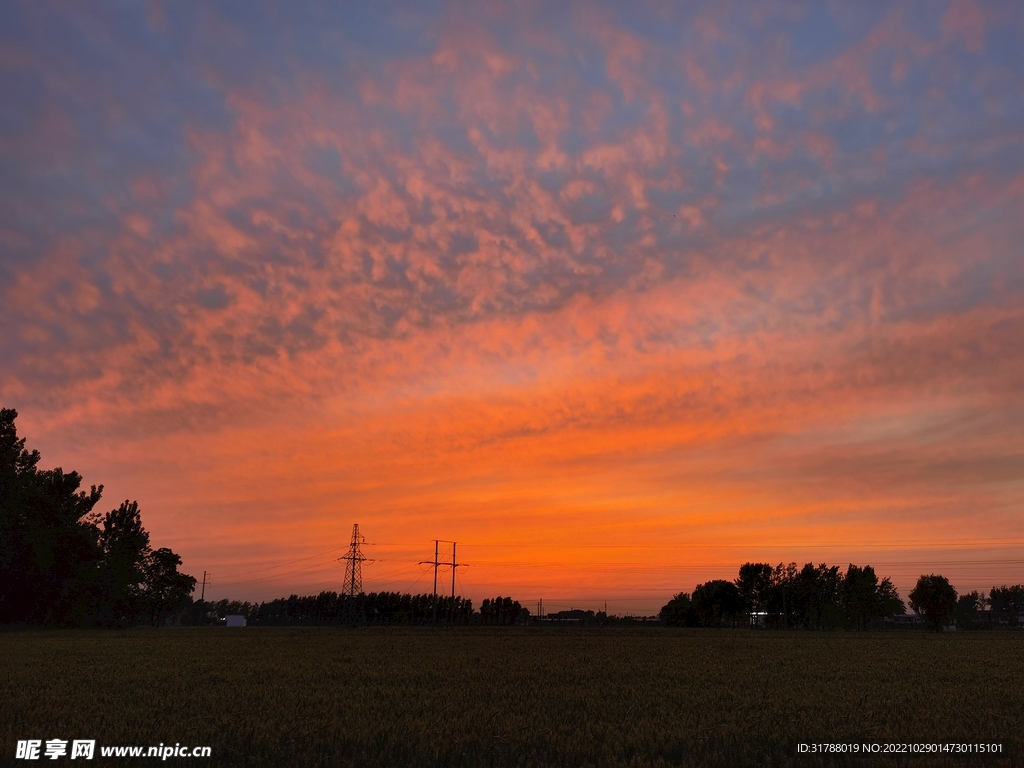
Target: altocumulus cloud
[[694, 226]]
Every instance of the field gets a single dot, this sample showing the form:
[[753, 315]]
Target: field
[[514, 696]]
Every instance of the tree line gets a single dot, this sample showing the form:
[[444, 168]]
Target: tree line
[[937, 600], [62, 563], [823, 597], [371, 608]]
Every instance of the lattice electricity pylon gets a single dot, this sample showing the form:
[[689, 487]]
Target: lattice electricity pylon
[[350, 609], [354, 560]]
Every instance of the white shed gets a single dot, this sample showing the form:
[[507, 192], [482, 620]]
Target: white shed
[[235, 620]]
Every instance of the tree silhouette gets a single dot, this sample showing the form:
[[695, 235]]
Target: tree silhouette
[[716, 602], [782, 602], [755, 586], [60, 562], [678, 612], [889, 602], [1007, 603], [818, 596], [503, 610], [164, 588], [125, 545], [48, 550], [934, 598], [865, 598], [967, 607]]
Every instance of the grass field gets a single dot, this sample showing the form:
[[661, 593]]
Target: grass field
[[513, 696]]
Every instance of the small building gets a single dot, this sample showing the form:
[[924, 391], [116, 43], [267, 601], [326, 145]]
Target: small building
[[235, 620]]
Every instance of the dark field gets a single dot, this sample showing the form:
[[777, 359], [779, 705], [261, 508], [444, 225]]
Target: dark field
[[513, 696]]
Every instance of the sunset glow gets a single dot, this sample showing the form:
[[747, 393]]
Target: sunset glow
[[617, 296]]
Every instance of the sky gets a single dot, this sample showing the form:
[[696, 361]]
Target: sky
[[617, 296]]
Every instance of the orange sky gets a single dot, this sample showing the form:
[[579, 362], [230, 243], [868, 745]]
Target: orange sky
[[617, 303]]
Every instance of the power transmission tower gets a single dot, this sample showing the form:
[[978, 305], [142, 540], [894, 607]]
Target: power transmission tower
[[353, 587], [354, 564]]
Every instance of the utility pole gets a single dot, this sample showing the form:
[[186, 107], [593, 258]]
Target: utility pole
[[435, 579], [455, 565], [202, 601], [437, 562]]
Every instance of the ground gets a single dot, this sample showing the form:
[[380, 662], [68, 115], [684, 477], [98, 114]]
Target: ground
[[389, 696]]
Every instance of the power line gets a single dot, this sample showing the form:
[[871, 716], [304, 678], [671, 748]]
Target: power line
[[898, 568], [904, 544], [291, 562], [403, 569], [324, 567]]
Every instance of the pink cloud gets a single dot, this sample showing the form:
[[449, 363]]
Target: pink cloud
[[509, 296], [965, 19]]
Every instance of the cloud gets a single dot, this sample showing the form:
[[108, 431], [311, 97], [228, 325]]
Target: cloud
[[213, 298], [594, 266]]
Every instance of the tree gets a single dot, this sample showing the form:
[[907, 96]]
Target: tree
[[967, 607], [860, 586], [503, 610], [781, 603], [934, 598], [164, 587], [125, 545], [62, 563], [716, 602], [865, 598], [817, 593], [1007, 603], [48, 548], [754, 586], [889, 601], [678, 612]]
